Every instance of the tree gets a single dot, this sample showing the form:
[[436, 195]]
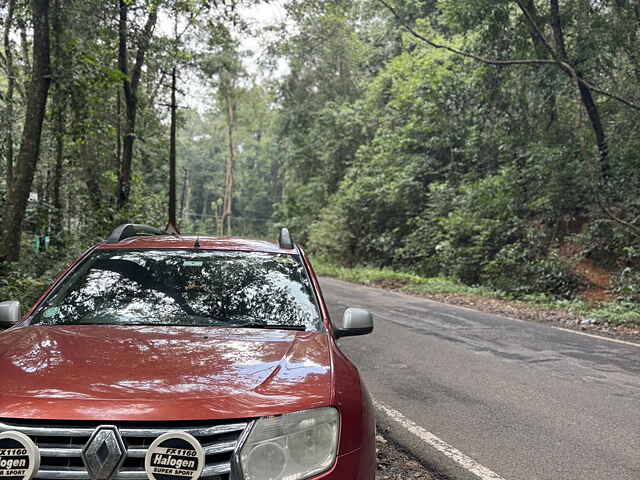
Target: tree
[[130, 84], [222, 64], [319, 126], [31, 134], [228, 92], [9, 98], [555, 54], [60, 112]]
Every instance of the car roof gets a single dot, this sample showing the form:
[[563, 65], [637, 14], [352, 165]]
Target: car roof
[[169, 242]]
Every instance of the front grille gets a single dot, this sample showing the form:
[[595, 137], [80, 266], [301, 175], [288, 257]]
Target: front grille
[[61, 445]]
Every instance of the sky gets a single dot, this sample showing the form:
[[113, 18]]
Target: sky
[[197, 95], [258, 17]]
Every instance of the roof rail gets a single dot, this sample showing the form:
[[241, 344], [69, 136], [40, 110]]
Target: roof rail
[[128, 230], [284, 239]]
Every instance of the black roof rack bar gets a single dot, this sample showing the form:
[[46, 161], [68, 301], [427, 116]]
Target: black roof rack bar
[[284, 239], [128, 230]]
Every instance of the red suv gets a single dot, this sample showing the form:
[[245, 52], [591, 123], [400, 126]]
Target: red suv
[[179, 357]]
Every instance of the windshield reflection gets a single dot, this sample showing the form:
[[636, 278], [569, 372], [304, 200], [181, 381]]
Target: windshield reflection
[[184, 288]]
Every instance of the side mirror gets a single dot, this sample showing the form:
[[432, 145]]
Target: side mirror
[[355, 321], [9, 314]]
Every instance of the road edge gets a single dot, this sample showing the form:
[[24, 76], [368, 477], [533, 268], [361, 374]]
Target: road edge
[[441, 459], [624, 339]]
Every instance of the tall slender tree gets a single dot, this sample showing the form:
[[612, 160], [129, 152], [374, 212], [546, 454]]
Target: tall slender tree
[[60, 111], [11, 82], [172, 226], [229, 95], [130, 84], [31, 134]]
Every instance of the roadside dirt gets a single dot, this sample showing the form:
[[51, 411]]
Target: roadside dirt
[[529, 312], [598, 280], [395, 464]]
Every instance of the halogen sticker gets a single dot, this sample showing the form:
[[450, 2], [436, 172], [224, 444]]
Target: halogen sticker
[[174, 456], [19, 456]]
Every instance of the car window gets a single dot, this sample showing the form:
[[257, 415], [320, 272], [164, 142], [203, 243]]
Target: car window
[[188, 288]]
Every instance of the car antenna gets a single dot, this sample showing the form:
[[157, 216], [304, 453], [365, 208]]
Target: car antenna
[[197, 244]]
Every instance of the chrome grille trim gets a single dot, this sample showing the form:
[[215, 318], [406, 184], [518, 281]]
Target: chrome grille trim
[[67, 442], [61, 474], [61, 452], [195, 431], [208, 450], [125, 432]]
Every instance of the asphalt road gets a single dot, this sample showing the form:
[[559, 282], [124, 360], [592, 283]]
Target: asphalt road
[[525, 400]]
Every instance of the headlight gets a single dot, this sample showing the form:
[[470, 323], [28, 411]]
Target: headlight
[[292, 446]]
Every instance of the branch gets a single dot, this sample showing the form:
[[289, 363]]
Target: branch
[[612, 217], [568, 69], [177, 38], [473, 56], [538, 32], [190, 22], [561, 60], [613, 96], [153, 95]]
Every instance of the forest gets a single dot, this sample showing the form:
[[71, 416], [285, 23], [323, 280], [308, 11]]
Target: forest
[[491, 142]]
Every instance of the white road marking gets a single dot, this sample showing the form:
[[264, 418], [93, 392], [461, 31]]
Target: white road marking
[[599, 337], [443, 447]]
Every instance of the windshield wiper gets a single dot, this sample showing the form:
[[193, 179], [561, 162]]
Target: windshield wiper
[[268, 326]]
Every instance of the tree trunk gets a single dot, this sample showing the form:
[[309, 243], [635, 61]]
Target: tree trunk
[[30, 144], [184, 200], [556, 26], [60, 121], [598, 129], [173, 223], [130, 88], [227, 208], [58, 212], [24, 42], [585, 93], [11, 82], [118, 157], [130, 101]]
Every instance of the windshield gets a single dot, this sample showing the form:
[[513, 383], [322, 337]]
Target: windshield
[[184, 288]]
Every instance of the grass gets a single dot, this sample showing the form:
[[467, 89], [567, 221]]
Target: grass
[[409, 282], [622, 313]]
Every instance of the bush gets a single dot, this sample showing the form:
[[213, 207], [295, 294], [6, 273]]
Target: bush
[[476, 234], [28, 278], [329, 237], [627, 283], [463, 228], [516, 270]]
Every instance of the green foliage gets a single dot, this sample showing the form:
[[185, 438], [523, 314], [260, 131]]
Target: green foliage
[[517, 271], [27, 279], [319, 125], [623, 313], [372, 146], [373, 276], [454, 168], [480, 221], [626, 282]]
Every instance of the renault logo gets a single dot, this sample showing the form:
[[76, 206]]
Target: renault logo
[[104, 453]]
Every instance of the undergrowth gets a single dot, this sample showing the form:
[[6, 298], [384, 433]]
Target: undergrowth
[[620, 313]]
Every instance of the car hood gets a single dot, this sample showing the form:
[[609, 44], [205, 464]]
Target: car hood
[[148, 373]]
